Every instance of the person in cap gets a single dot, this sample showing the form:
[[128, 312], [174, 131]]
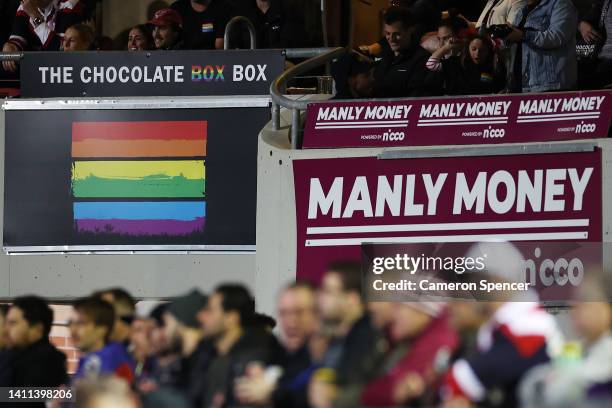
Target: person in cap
[[184, 332], [168, 29], [204, 23]]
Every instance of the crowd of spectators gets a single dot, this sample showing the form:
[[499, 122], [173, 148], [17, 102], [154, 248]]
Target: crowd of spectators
[[429, 47], [330, 349], [69, 25], [437, 47]]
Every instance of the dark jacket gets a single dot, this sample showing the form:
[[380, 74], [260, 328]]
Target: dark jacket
[[280, 27], [467, 78], [358, 352], [290, 390], [39, 365], [219, 372], [404, 75]]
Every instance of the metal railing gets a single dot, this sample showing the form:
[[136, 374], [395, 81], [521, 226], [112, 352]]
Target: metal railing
[[297, 106], [232, 23]]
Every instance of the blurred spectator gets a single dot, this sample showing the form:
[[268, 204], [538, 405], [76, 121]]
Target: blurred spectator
[[476, 71], [574, 380], [204, 23], [355, 347], [381, 314], [168, 30], [124, 306], [40, 26], [105, 393], [402, 73], [79, 37], [500, 12], [419, 332], [228, 323], [141, 332], [277, 23], [34, 361], [296, 313], [547, 42], [165, 358], [140, 38], [183, 331], [91, 329], [595, 29], [354, 76], [516, 336], [5, 366]]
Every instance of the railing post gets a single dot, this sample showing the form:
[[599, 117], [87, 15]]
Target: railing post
[[295, 129], [275, 116], [250, 27]]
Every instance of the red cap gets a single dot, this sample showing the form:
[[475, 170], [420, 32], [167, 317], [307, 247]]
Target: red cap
[[166, 16]]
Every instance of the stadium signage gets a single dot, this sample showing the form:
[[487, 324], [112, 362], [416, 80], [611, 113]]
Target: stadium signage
[[172, 73], [125, 177], [341, 203], [459, 120]]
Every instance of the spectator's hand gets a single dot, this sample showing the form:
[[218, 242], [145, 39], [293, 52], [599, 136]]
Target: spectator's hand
[[515, 36], [31, 8], [412, 386], [10, 66], [254, 388], [589, 34]]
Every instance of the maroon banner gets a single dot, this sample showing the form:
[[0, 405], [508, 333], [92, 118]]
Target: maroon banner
[[459, 120], [342, 203]]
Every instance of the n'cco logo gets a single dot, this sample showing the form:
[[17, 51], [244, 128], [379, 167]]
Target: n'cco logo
[[393, 136], [491, 133]]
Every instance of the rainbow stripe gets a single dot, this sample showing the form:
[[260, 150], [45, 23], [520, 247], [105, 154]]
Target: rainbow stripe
[[161, 161], [139, 139], [168, 178], [173, 218]]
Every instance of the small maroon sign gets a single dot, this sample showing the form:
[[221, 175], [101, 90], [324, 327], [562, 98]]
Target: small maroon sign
[[342, 203], [459, 120]]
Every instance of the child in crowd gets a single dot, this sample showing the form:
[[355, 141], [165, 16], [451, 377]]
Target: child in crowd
[[475, 71]]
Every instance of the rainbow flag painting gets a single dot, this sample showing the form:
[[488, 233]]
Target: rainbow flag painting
[[139, 178]]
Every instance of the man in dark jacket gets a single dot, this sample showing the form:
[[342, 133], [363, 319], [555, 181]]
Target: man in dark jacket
[[228, 324], [403, 72], [35, 362]]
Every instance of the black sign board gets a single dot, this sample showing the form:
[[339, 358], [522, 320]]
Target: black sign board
[[154, 73], [162, 177]]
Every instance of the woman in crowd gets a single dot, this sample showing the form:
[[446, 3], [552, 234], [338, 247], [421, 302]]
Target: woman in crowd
[[140, 38], [475, 71]]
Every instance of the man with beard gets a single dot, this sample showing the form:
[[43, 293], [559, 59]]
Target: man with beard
[[238, 343], [204, 23]]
